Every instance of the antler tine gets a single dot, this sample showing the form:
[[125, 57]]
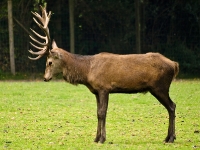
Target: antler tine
[[42, 37], [43, 44], [37, 47], [38, 23], [45, 16], [44, 19], [36, 53], [36, 58]]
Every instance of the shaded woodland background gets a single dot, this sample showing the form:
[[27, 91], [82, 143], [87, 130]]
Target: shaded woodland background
[[169, 27]]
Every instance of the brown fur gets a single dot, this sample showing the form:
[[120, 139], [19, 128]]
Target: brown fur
[[106, 73]]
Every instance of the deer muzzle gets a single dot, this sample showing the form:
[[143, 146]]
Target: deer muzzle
[[47, 77], [46, 80]]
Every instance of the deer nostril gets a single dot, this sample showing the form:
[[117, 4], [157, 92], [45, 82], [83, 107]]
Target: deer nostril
[[46, 80]]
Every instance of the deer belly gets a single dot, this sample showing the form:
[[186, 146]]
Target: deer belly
[[129, 87]]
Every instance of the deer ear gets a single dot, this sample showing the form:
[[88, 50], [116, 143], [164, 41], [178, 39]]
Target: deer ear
[[54, 45]]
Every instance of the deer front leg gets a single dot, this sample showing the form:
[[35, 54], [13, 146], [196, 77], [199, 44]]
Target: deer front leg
[[102, 105], [98, 135]]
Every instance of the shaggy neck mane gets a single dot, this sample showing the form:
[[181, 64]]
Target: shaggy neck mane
[[76, 68]]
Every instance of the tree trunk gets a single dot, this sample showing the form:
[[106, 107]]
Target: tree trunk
[[71, 22], [142, 18], [138, 26], [11, 37]]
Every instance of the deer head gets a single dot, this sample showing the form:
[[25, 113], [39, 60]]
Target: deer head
[[53, 62]]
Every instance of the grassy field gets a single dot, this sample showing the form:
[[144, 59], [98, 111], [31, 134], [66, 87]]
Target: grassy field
[[57, 115]]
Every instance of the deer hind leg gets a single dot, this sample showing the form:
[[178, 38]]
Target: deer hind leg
[[102, 105], [164, 99]]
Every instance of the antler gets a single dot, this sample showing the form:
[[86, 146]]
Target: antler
[[44, 47]]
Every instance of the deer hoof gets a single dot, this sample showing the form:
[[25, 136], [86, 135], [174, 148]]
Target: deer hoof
[[102, 140], [170, 139]]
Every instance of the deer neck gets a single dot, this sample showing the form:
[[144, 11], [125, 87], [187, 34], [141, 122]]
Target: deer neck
[[76, 68]]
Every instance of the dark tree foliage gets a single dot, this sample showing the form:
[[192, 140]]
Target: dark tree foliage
[[172, 28], [169, 27], [22, 20], [105, 26]]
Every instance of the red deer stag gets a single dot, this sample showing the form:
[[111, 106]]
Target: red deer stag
[[107, 73]]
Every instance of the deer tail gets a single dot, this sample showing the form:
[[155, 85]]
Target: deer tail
[[176, 69]]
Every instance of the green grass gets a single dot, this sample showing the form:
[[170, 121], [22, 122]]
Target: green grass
[[57, 115]]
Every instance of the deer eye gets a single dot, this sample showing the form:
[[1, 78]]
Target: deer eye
[[50, 63]]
